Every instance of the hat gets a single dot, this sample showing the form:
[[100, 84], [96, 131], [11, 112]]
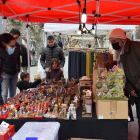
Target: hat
[[117, 33]]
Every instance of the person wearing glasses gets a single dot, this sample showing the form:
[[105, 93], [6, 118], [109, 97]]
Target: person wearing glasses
[[11, 69], [7, 48], [128, 58]]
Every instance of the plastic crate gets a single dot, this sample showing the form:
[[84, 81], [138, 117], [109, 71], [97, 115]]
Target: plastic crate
[[38, 131]]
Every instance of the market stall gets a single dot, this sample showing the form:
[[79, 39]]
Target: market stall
[[102, 11], [72, 106]]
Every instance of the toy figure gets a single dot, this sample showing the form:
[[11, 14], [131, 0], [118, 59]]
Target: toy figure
[[45, 98], [4, 110], [87, 105], [55, 110], [0, 111], [40, 112]]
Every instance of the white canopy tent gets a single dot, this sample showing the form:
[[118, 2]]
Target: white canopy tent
[[71, 29]]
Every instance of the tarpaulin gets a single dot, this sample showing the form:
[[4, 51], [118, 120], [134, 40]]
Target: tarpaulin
[[66, 11]]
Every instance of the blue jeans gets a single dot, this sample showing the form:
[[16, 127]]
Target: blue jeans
[[9, 82]]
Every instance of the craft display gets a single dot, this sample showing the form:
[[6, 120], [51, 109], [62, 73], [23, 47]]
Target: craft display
[[87, 104], [110, 85], [100, 61], [110, 63], [50, 100], [60, 100], [71, 112]]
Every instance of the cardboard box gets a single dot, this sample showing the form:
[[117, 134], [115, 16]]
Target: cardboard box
[[110, 109], [9, 133]]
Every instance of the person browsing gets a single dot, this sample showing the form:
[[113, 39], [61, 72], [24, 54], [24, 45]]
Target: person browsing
[[24, 84], [54, 72]]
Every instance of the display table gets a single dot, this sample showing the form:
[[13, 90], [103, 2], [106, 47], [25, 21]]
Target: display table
[[83, 127]]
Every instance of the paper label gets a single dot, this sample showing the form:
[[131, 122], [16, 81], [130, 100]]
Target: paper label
[[101, 117], [4, 126]]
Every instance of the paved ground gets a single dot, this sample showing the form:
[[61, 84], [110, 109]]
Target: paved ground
[[132, 126]]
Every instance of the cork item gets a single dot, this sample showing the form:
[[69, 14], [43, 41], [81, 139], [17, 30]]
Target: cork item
[[109, 64], [100, 61]]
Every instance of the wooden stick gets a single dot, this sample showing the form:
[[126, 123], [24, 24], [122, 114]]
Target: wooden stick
[[93, 43], [71, 41]]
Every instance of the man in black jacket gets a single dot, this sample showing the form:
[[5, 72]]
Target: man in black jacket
[[51, 51], [11, 69]]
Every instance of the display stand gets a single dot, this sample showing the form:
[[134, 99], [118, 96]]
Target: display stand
[[90, 128]]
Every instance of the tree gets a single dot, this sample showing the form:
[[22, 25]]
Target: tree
[[137, 31], [35, 33]]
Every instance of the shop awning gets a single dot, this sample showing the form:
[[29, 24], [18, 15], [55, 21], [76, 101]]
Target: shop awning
[[66, 11], [71, 29]]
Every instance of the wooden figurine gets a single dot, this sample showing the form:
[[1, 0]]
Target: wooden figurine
[[87, 106]]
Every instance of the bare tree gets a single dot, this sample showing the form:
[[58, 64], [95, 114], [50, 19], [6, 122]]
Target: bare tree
[[137, 31], [34, 33]]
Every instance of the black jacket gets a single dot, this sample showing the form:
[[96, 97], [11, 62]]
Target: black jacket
[[54, 74], [48, 53], [12, 63], [24, 85], [24, 63], [3, 56]]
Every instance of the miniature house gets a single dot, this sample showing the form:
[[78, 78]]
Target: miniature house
[[87, 104]]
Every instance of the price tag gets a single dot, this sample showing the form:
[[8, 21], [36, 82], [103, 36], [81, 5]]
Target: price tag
[[100, 116], [4, 125]]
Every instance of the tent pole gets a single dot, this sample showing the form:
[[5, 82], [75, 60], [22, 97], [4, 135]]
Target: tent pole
[[27, 26]]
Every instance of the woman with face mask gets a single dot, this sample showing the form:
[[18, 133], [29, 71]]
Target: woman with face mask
[[7, 47]]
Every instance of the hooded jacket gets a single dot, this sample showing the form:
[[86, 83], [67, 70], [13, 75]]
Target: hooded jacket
[[48, 53], [12, 63], [24, 85], [54, 74]]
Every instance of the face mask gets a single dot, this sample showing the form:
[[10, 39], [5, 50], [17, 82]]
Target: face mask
[[10, 50], [116, 46]]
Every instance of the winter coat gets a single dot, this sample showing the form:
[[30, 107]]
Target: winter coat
[[54, 74], [12, 63], [24, 63], [60, 44], [131, 64], [48, 53], [24, 85], [3, 56]]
